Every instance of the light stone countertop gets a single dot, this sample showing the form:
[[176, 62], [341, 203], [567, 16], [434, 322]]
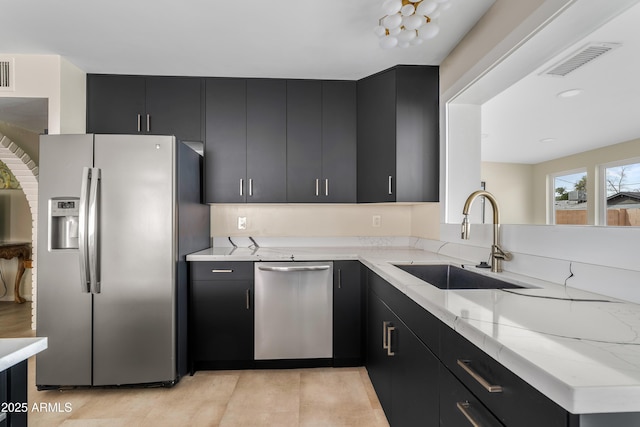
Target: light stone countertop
[[580, 349], [16, 350]]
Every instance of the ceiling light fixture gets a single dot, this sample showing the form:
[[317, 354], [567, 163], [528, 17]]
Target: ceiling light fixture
[[569, 93], [545, 140], [408, 23]]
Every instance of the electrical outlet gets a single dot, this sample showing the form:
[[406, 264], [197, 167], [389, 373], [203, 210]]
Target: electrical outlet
[[377, 220], [242, 223]]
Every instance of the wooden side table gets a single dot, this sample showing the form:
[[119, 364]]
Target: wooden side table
[[22, 251]]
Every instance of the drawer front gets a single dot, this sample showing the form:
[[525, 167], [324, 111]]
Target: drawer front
[[511, 399], [221, 270], [422, 323], [459, 407]]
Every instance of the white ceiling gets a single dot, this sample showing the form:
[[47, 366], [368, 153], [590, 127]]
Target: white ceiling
[[321, 39], [605, 113]]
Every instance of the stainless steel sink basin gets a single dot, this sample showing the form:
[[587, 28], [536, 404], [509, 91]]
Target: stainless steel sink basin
[[445, 276]]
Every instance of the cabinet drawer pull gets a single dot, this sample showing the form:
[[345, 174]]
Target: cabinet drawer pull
[[464, 408], [464, 364], [248, 299], [317, 187], [390, 329], [139, 121], [326, 187], [148, 122], [385, 346], [250, 187], [222, 271], [390, 185], [339, 279], [242, 186]]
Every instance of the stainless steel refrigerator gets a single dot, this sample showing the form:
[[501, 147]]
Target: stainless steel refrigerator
[[117, 215]]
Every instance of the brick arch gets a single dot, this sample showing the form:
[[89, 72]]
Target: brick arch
[[26, 172]]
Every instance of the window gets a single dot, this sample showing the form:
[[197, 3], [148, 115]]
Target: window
[[621, 184], [569, 198]]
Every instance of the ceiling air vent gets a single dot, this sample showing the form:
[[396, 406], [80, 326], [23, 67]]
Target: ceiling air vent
[[6, 74], [579, 58]]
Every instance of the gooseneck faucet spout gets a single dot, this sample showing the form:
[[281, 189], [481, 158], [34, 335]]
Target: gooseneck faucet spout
[[497, 253]]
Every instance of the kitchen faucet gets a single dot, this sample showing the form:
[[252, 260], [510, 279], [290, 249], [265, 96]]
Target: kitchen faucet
[[497, 253]]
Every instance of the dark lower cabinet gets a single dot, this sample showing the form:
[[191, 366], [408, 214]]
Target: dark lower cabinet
[[221, 315], [13, 396], [459, 407], [348, 309], [402, 369]]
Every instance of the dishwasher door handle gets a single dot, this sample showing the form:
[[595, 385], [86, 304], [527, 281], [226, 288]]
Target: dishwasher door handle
[[296, 268]]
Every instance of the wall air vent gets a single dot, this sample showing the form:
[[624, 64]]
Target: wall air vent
[[579, 58], [6, 74]]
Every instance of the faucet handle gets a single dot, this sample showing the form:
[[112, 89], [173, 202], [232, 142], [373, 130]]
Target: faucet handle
[[499, 253]]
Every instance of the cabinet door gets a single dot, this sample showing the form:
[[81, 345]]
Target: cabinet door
[[347, 314], [115, 104], [415, 386], [267, 140], [339, 171], [304, 141], [226, 141], [173, 107], [378, 362], [222, 322], [376, 137]]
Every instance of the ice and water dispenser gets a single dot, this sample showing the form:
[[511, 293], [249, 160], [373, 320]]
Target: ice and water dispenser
[[63, 222]]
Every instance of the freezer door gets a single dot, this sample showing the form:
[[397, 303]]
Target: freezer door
[[63, 311], [134, 311]]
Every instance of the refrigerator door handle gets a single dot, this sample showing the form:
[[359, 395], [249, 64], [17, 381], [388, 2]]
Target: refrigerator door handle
[[93, 231], [85, 281]]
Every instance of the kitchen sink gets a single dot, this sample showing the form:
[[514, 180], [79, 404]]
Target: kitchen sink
[[446, 276]]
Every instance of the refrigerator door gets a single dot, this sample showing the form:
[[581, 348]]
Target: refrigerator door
[[134, 311], [63, 310]]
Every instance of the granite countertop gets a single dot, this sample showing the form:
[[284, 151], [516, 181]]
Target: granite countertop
[[16, 350], [580, 349]]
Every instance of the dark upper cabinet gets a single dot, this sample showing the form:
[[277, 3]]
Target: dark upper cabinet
[[266, 141], [398, 135], [245, 146], [339, 141], [226, 140], [321, 141], [145, 105], [304, 140], [115, 104]]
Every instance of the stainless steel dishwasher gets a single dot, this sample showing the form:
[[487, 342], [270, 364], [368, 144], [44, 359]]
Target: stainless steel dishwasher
[[293, 310]]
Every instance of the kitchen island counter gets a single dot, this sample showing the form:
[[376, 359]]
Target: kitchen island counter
[[580, 349]]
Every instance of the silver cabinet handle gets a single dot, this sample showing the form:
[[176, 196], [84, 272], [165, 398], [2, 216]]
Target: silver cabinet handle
[[491, 388], [250, 187], [248, 294], [317, 187], [148, 122], [390, 330], [464, 408], [292, 269], [222, 271], [139, 122], [93, 231], [390, 184], [85, 281], [384, 334], [242, 186], [326, 186], [339, 279]]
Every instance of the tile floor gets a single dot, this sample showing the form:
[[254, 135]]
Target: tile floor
[[297, 397]]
